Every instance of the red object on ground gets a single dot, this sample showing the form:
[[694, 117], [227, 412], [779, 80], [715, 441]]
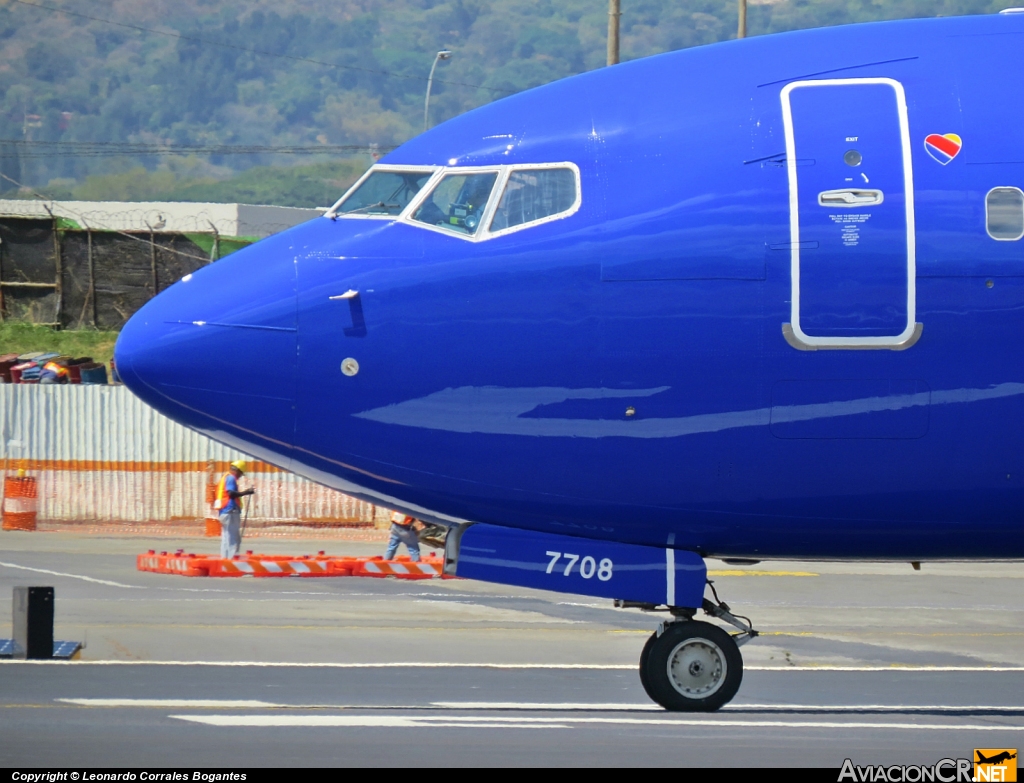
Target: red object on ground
[[20, 503], [287, 565]]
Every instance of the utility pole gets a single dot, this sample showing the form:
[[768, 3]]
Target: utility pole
[[741, 31], [613, 31]]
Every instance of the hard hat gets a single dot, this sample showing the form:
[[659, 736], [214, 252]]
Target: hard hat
[[240, 465]]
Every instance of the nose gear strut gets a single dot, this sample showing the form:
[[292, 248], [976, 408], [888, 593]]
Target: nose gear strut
[[721, 610]]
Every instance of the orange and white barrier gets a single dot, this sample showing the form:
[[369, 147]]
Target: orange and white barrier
[[269, 566], [183, 564], [178, 563], [20, 503], [403, 569]]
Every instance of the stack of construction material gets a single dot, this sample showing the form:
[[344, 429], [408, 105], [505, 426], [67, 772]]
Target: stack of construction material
[[29, 368]]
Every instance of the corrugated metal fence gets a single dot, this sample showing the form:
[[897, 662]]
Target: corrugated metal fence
[[102, 455]]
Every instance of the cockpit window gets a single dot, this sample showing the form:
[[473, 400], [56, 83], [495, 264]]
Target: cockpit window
[[534, 194], [384, 193], [457, 202]]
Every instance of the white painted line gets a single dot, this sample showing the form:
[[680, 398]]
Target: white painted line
[[734, 707], [360, 721], [277, 665], [894, 668], [509, 666], [71, 576], [533, 707], [220, 704], [569, 706], [413, 721], [874, 707]]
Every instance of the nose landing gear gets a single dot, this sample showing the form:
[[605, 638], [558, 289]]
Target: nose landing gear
[[693, 666]]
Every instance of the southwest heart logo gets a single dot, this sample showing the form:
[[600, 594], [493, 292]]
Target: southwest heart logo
[[943, 147]]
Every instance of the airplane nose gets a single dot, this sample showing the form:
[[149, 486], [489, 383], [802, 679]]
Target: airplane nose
[[217, 350]]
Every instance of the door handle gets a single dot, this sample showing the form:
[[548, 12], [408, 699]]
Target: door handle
[[850, 197], [355, 309], [349, 294]]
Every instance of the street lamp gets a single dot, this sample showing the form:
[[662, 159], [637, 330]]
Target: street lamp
[[444, 54]]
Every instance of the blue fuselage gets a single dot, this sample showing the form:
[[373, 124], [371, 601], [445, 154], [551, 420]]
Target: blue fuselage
[[638, 371]]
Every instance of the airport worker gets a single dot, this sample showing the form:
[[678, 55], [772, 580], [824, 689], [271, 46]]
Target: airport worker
[[54, 372], [403, 531], [228, 504]]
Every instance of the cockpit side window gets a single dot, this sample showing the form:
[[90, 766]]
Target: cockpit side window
[[457, 202], [384, 193], [534, 194]]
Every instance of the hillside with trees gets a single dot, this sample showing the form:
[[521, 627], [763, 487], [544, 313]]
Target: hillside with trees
[[195, 99]]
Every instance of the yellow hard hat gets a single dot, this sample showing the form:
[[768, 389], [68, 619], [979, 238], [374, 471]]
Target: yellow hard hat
[[240, 464]]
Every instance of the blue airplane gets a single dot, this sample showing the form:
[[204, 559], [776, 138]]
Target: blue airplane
[[760, 299]]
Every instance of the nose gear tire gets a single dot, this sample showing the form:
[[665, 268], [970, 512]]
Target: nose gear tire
[[691, 667], [644, 655]]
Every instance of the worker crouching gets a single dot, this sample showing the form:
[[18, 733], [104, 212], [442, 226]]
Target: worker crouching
[[228, 504], [54, 372], [403, 531]]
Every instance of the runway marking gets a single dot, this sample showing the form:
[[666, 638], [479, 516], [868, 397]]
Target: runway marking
[[533, 626], [72, 576], [735, 707], [531, 706], [369, 721], [279, 665], [254, 704], [474, 722], [220, 704], [760, 573], [538, 706], [892, 668]]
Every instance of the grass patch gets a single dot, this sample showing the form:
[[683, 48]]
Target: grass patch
[[17, 337]]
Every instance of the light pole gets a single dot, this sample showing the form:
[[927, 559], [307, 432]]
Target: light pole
[[444, 54], [741, 30], [614, 12]]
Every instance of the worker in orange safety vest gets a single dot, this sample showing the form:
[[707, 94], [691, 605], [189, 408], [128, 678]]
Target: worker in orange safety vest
[[228, 505], [403, 531], [54, 372]]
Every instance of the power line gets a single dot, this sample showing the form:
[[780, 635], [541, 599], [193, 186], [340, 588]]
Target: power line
[[45, 149], [295, 58]]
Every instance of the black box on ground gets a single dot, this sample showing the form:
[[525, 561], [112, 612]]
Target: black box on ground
[[33, 622]]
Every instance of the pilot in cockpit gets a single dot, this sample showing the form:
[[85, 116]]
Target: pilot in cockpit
[[457, 202]]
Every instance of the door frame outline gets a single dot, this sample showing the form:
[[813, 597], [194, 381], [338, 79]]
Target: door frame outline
[[792, 330]]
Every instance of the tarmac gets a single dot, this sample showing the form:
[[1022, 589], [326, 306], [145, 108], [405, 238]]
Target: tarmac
[[873, 662]]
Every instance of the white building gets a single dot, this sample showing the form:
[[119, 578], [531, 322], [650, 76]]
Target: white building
[[165, 217]]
